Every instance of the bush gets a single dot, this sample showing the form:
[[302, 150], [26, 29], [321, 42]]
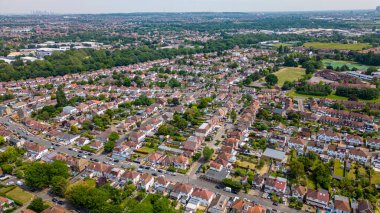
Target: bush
[[317, 89], [364, 93]]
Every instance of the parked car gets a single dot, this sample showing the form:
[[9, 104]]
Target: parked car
[[227, 189]]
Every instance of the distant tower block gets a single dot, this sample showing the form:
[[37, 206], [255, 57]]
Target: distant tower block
[[378, 9]]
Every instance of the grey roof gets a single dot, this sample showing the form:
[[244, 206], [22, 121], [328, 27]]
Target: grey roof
[[170, 149], [216, 175], [274, 154]]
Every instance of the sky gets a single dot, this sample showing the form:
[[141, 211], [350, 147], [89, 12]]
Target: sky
[[127, 6]]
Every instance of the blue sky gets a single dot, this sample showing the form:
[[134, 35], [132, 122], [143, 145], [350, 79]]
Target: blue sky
[[112, 6]]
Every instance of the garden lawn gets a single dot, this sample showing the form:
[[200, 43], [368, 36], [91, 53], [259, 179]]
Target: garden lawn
[[310, 184], [376, 178], [146, 150], [337, 170], [20, 195], [264, 170], [349, 64], [87, 182], [289, 74], [338, 46], [245, 164], [352, 175]]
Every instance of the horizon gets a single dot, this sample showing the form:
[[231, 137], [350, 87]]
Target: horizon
[[24, 7]]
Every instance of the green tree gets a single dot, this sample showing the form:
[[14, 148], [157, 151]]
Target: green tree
[[113, 136], [90, 198], [271, 79], [61, 97], [174, 83], [7, 168], [59, 185], [207, 153], [39, 175], [233, 115], [310, 69], [109, 146], [37, 205], [2, 141]]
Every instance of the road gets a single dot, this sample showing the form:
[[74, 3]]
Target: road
[[192, 178], [300, 104]]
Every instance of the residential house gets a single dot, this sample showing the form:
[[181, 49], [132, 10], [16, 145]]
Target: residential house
[[181, 162], [297, 144], [373, 143], [329, 136], [365, 207], [35, 150], [313, 146], [161, 184], [121, 152], [82, 142], [258, 181], [354, 140], [146, 182], [241, 206], [337, 151], [130, 176], [203, 130], [97, 145], [6, 204], [218, 204], [299, 192], [137, 136], [181, 191], [275, 184], [155, 158], [318, 198], [358, 155], [341, 204], [104, 170], [376, 160], [202, 197]]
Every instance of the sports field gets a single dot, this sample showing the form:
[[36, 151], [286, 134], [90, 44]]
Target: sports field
[[333, 63], [337, 46], [289, 74]]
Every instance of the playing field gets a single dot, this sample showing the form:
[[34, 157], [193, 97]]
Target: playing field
[[282, 44], [337, 46], [289, 74], [333, 63]]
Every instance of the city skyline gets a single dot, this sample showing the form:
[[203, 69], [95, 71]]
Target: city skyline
[[116, 6]]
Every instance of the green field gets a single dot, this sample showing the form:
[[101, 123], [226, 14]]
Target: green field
[[20, 195], [294, 94], [332, 96], [283, 44], [338, 46], [289, 74], [333, 63]]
